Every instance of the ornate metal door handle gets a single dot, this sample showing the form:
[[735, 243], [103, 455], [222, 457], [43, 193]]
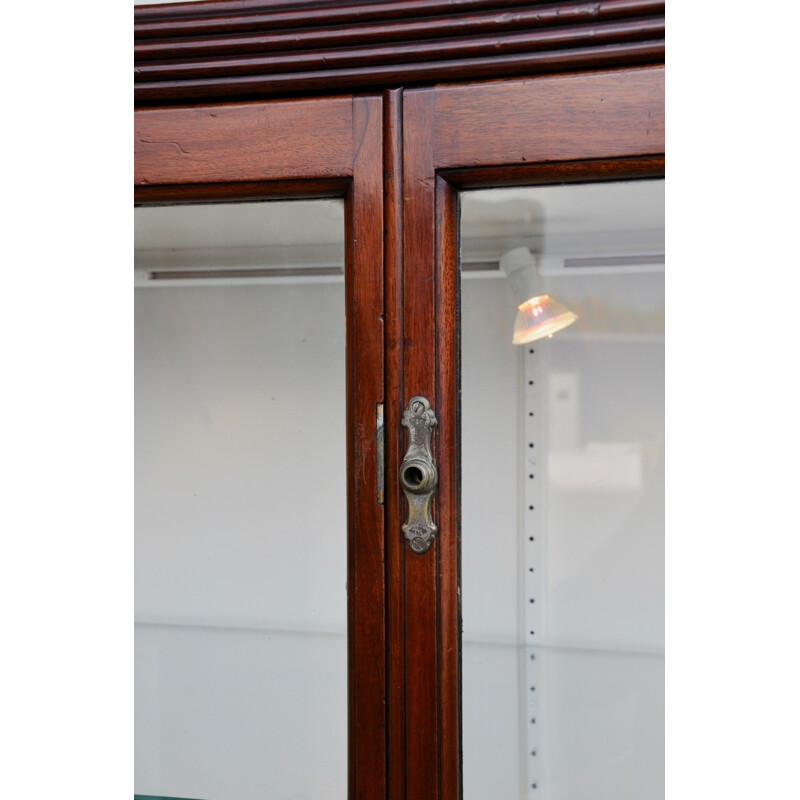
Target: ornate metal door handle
[[418, 475]]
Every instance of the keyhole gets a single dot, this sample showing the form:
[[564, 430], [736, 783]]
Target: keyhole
[[413, 476]]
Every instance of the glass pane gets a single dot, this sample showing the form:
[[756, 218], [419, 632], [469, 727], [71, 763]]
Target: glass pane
[[563, 460], [240, 635]]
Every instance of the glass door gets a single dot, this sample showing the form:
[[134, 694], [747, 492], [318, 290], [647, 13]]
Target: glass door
[[562, 336], [400, 166], [241, 501], [534, 623], [260, 582]]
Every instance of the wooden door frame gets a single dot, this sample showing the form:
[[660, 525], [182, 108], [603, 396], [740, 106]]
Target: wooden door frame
[[565, 128], [551, 92], [311, 148]]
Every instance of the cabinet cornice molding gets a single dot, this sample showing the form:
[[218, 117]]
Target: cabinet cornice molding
[[248, 49]]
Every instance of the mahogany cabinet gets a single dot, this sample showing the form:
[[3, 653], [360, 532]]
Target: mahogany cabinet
[[397, 109]]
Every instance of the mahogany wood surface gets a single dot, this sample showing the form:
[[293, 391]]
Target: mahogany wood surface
[[395, 442], [251, 191], [400, 162], [211, 18], [419, 597], [598, 126], [277, 140], [366, 584], [230, 153], [546, 119], [209, 15], [211, 64], [555, 172], [449, 502], [205, 51], [551, 24], [426, 72]]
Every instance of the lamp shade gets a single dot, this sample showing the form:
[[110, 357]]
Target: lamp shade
[[538, 314]]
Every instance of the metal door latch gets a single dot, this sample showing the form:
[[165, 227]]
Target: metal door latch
[[418, 475]]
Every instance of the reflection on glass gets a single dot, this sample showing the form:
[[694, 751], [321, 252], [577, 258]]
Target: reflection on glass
[[538, 314], [240, 637], [563, 460]]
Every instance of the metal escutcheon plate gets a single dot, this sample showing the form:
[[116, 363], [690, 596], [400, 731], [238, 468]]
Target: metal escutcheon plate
[[418, 475]]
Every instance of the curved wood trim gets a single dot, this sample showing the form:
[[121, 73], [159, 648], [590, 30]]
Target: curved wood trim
[[195, 53], [438, 50], [216, 17], [368, 32], [402, 74], [213, 15]]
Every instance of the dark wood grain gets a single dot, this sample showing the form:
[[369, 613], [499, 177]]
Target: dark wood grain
[[416, 51], [399, 163], [278, 140], [366, 581], [429, 72], [555, 172], [242, 191], [599, 126], [555, 118], [209, 19], [395, 502], [448, 494], [195, 55], [419, 378], [501, 25], [310, 148]]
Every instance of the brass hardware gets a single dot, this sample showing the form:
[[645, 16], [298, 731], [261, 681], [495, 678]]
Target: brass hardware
[[418, 475], [379, 448]]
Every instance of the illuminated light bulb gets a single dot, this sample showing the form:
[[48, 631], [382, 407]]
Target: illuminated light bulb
[[538, 315]]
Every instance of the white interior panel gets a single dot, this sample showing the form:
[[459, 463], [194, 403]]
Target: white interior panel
[[241, 531], [226, 713], [563, 506], [489, 491], [240, 477]]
